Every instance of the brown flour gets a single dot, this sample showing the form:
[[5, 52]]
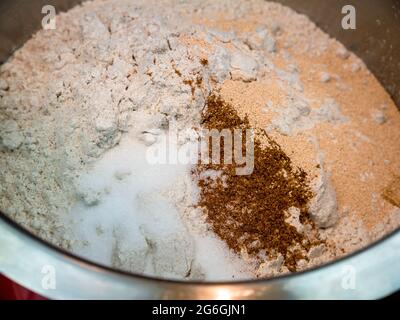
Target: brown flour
[[362, 153]]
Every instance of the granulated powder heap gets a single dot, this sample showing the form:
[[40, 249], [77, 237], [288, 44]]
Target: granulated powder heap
[[81, 105], [249, 211]]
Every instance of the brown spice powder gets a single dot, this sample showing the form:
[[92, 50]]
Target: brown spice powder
[[248, 212]]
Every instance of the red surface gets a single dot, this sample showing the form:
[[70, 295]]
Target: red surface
[[9, 290]]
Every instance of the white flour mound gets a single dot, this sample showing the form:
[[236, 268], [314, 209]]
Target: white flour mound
[[113, 67], [80, 106]]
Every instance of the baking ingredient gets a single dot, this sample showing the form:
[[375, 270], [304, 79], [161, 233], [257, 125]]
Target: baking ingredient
[[80, 105], [249, 211]]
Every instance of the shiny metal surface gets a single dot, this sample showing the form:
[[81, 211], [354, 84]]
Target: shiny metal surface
[[22, 258], [371, 273]]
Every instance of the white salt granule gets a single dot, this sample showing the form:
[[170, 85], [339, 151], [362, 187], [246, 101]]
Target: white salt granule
[[132, 216]]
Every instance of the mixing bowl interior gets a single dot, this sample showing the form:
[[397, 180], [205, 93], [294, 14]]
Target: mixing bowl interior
[[375, 40]]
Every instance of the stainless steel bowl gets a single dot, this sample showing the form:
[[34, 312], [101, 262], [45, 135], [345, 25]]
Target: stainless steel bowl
[[373, 272]]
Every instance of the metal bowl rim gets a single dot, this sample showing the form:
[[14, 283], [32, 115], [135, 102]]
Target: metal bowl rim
[[87, 263]]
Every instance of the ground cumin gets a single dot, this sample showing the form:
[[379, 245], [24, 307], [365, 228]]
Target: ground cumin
[[249, 212]]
